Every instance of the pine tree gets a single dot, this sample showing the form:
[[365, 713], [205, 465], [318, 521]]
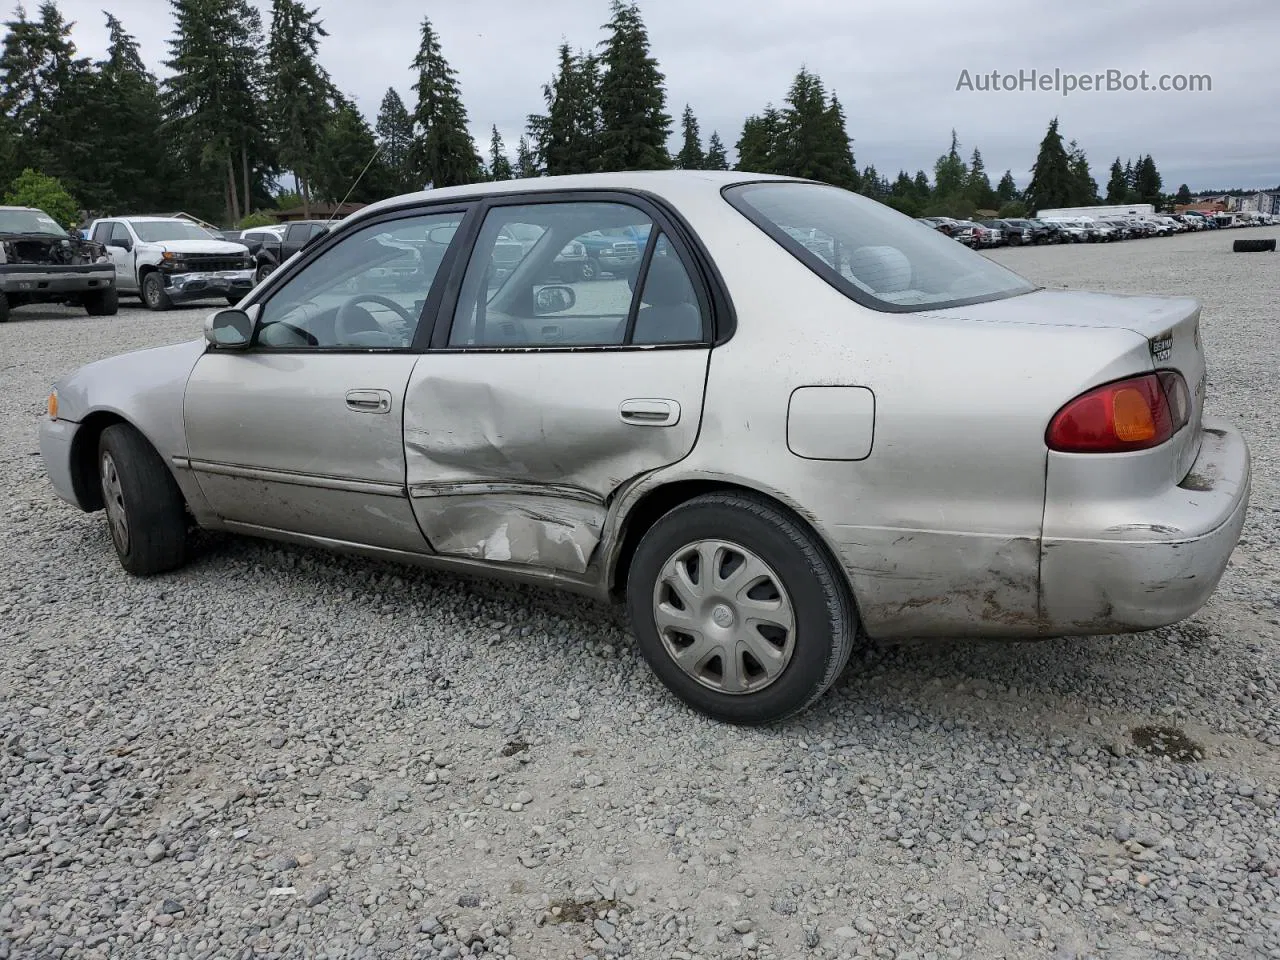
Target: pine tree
[[1147, 182], [760, 144], [633, 114], [299, 92], [1130, 181], [1183, 195], [526, 160], [567, 137], [1007, 189], [443, 154], [499, 164], [805, 148], [690, 156], [844, 171], [1084, 189], [923, 189], [45, 93], [1117, 185], [213, 102], [347, 148], [716, 158], [949, 172], [1051, 180], [978, 184], [132, 167], [394, 129]]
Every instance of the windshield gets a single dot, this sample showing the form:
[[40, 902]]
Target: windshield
[[29, 221], [158, 231], [873, 254]]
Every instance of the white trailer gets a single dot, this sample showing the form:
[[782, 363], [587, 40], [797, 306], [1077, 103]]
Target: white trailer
[[1105, 211]]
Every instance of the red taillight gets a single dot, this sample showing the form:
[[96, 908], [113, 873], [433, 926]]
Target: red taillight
[[1131, 414]]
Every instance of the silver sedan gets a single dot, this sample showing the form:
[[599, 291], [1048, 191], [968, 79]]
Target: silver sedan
[[800, 419]]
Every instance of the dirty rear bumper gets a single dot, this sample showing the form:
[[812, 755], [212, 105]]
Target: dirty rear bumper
[[1163, 562]]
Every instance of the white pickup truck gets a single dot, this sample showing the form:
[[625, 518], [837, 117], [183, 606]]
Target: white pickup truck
[[168, 260]]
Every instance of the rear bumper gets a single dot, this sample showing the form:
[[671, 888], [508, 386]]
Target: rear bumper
[[202, 286], [35, 280], [55, 450], [1163, 561]]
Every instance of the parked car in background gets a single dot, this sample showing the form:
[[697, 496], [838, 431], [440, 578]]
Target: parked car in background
[[1039, 464], [170, 260], [273, 245], [40, 262]]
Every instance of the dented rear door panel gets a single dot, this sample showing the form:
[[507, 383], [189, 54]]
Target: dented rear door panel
[[513, 456]]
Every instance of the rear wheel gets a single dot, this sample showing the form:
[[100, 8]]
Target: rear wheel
[[262, 273], [738, 608], [154, 294], [4, 308], [146, 514], [102, 303]]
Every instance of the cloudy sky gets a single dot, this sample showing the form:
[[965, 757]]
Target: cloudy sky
[[895, 66]]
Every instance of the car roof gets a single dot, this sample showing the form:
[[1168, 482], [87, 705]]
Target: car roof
[[672, 185], [8, 207]]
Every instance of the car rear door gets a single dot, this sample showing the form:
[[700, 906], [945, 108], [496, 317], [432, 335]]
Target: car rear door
[[538, 402]]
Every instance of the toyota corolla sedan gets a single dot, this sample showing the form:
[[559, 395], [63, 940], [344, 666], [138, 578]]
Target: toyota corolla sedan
[[766, 447]]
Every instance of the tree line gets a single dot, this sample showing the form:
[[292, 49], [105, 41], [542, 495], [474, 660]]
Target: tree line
[[245, 103]]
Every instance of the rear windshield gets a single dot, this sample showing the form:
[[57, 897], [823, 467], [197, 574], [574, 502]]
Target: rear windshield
[[873, 254]]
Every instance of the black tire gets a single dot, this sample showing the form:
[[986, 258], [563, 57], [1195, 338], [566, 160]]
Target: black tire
[[823, 615], [102, 303], [154, 537], [154, 295], [232, 299], [591, 269], [4, 308], [1254, 245], [264, 270]]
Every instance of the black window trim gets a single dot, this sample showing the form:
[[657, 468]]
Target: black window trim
[[719, 320], [281, 278], [732, 193]]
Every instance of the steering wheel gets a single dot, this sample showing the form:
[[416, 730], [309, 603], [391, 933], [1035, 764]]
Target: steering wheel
[[346, 320]]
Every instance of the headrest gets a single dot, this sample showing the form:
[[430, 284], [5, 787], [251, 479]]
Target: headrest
[[884, 269]]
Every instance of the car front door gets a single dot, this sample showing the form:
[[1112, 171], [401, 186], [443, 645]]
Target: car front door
[[302, 431], [121, 246], [538, 402]]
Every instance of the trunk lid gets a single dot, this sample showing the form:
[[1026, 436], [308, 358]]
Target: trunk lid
[[1170, 325]]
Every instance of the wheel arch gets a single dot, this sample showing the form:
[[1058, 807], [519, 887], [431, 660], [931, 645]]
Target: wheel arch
[[84, 456], [654, 503]]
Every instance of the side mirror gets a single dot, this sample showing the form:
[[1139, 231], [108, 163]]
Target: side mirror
[[125, 244], [553, 299], [229, 329]]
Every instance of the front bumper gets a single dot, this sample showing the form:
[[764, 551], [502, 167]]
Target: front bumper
[[201, 286], [56, 437], [40, 279], [1163, 562]]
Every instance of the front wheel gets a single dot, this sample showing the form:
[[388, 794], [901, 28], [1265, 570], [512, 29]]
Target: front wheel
[[739, 609], [102, 303], [262, 273], [4, 308], [154, 294], [146, 514], [591, 269]]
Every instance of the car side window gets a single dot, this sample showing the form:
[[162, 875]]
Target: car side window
[[669, 311], [564, 274], [119, 232], [101, 233], [366, 291]]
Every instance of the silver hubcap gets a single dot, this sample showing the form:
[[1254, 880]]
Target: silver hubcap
[[113, 497], [724, 617]]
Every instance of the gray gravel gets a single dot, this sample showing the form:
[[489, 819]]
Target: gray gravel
[[278, 753]]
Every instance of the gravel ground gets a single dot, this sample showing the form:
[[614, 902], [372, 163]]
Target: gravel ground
[[278, 753]]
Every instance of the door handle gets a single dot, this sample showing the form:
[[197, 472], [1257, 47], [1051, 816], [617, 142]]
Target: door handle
[[650, 413], [369, 401]]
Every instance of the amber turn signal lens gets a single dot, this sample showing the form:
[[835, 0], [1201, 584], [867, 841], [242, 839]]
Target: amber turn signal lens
[[53, 405], [1132, 416]]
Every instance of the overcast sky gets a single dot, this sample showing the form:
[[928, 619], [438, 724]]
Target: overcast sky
[[895, 66]]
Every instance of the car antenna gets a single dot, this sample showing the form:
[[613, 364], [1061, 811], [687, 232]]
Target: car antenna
[[334, 214]]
